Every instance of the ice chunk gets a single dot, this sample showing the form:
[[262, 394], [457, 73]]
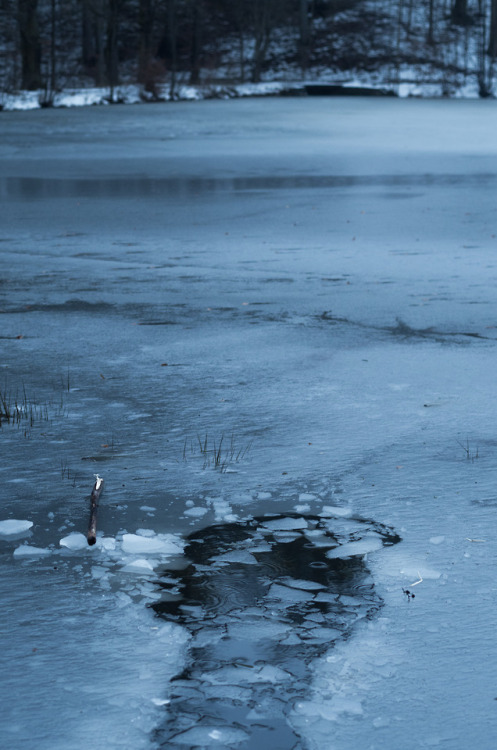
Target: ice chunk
[[296, 583], [74, 541], [12, 527], [306, 496], [285, 524], [362, 547], [323, 634], [147, 508], [140, 545], [241, 556], [335, 510], [196, 512], [138, 566], [209, 736], [145, 532], [256, 631], [107, 543], [98, 572], [288, 594], [26, 550]]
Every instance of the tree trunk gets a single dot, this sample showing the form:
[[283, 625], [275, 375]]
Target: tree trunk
[[53, 49], [111, 49], [171, 18], [88, 53], [30, 44], [492, 39], [195, 43], [145, 42], [261, 12], [431, 14], [459, 14], [304, 34]]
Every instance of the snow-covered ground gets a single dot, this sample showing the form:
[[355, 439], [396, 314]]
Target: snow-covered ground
[[314, 280], [408, 84]]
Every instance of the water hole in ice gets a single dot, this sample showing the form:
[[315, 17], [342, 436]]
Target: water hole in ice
[[262, 599]]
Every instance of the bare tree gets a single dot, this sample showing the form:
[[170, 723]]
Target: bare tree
[[29, 31], [492, 36]]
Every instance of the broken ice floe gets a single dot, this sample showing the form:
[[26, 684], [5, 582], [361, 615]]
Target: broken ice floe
[[263, 598], [13, 527], [27, 551]]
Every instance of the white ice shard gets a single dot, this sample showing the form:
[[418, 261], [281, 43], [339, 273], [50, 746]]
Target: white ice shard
[[362, 547], [74, 541], [12, 527], [142, 545], [26, 550], [138, 566]]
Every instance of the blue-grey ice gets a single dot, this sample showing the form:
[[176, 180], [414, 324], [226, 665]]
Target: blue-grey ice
[[279, 308]]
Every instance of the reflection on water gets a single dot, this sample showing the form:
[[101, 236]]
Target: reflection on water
[[34, 188], [262, 598]]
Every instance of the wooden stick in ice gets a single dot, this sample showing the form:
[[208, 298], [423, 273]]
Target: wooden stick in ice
[[95, 496]]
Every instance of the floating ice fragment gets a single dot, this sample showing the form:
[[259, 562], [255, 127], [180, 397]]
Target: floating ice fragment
[[138, 566], [296, 583], [145, 532], [107, 543], [196, 511], [98, 572], [241, 556], [27, 550], [12, 526], [147, 508], [285, 524], [306, 496], [368, 544], [288, 594], [209, 736], [336, 510], [74, 541], [135, 544]]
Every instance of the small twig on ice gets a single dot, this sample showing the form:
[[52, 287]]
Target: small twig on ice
[[95, 496], [475, 540], [416, 582]]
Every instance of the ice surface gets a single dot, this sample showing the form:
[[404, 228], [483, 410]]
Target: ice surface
[[11, 526], [211, 736], [326, 290], [29, 551]]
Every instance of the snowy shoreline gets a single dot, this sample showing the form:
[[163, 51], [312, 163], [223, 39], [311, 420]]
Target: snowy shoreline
[[136, 94]]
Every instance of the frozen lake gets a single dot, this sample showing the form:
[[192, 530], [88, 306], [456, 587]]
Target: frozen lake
[[232, 309]]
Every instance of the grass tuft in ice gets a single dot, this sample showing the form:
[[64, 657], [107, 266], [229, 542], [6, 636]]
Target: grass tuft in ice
[[471, 453], [219, 453], [20, 410]]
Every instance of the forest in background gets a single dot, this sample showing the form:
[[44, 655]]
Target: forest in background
[[50, 45]]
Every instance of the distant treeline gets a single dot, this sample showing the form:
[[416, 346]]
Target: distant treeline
[[50, 44]]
